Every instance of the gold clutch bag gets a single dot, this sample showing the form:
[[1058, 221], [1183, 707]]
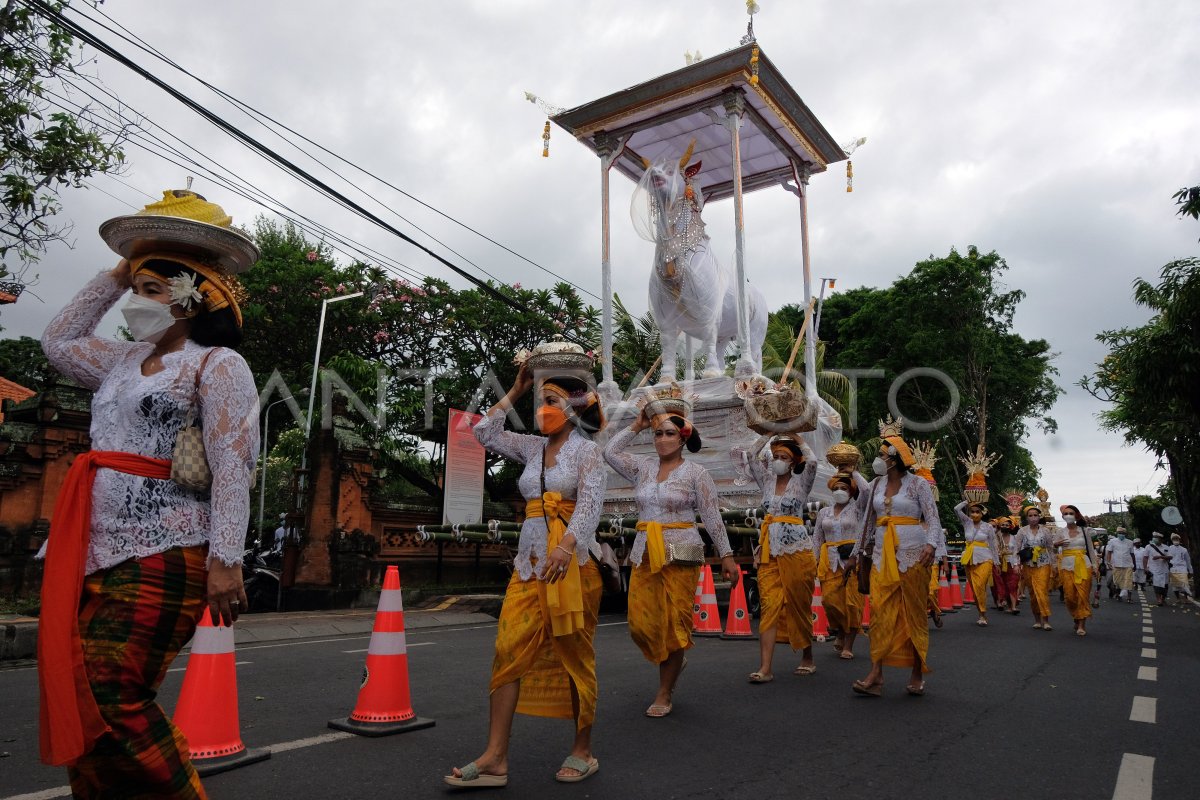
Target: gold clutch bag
[[686, 554]]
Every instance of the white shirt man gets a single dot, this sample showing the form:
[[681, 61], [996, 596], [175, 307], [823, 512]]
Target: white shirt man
[[1158, 566], [1181, 568], [1118, 554], [1139, 557]]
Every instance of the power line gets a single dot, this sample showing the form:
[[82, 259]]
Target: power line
[[259, 116]]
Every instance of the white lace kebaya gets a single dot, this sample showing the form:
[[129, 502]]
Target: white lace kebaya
[[687, 490], [132, 516], [913, 499], [578, 474], [785, 537]]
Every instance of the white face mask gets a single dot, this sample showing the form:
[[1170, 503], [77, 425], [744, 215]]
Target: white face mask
[[780, 467], [879, 466], [1069, 519], [840, 496], [147, 319]]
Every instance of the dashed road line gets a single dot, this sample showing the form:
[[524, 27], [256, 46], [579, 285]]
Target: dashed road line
[[236, 664], [1145, 709], [1147, 673], [1148, 640], [409, 644], [1135, 781], [1149, 652]]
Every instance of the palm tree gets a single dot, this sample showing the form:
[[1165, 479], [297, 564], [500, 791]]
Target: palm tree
[[832, 387], [635, 342]]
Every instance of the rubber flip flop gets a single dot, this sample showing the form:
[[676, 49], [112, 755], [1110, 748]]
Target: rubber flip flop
[[585, 769], [872, 690], [805, 670], [657, 712], [472, 778], [916, 690], [758, 677], [846, 655]]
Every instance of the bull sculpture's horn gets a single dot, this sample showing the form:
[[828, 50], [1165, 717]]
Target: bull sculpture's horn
[[687, 154]]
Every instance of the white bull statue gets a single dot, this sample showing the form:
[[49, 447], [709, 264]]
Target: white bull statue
[[690, 292]]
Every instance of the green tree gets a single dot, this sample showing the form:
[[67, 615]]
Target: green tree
[[952, 317], [43, 151], [22, 361], [833, 387], [1151, 379]]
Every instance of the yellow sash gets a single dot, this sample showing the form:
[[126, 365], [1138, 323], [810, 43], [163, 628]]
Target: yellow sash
[[889, 570], [1037, 554], [656, 546], [968, 552], [565, 596], [1082, 571], [823, 572], [764, 539]]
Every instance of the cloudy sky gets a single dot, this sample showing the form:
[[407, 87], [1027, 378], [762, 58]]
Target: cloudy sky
[[1051, 132]]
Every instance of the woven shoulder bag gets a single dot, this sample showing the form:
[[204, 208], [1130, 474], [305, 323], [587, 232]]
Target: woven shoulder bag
[[189, 462]]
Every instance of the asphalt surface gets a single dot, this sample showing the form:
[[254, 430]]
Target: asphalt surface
[[1010, 713]]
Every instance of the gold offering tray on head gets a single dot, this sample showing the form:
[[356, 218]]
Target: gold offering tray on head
[[137, 234]]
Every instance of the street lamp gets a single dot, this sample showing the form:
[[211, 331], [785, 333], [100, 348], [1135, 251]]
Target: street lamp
[[262, 490], [820, 304], [312, 390]]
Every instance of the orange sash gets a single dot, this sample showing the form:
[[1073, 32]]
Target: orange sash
[[70, 720]]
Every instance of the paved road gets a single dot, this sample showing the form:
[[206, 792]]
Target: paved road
[[1010, 712]]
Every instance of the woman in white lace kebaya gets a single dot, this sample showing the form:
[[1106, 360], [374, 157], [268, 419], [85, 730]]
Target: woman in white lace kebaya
[[126, 584], [836, 530], [545, 663], [670, 492], [1077, 566], [980, 553], [787, 566], [902, 527]]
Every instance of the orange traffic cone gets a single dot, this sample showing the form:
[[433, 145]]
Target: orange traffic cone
[[737, 621], [945, 603], [384, 706], [706, 621], [866, 620], [696, 601], [207, 711], [955, 588], [820, 623]]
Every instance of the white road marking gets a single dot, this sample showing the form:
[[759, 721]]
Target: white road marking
[[46, 794], [1148, 640], [1149, 652], [607, 624], [410, 644], [1147, 673], [297, 644], [236, 664], [1135, 781], [1145, 709], [1148, 629]]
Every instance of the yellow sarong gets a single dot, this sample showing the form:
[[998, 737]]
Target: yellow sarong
[[980, 575], [899, 631], [660, 609], [1038, 579], [656, 545], [843, 602], [547, 665], [1077, 585], [823, 570], [786, 588], [764, 537], [564, 597]]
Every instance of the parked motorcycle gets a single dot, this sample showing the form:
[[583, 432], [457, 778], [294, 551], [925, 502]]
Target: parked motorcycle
[[260, 576]]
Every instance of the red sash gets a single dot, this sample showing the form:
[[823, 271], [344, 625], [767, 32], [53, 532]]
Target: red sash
[[70, 719]]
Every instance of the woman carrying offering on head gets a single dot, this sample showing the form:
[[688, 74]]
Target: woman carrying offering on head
[[1077, 564], [979, 553], [1007, 573], [902, 531], [834, 534], [668, 552], [545, 662], [787, 566], [135, 558]]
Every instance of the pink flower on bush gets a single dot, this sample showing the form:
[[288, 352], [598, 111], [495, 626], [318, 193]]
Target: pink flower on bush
[[516, 285], [405, 298], [311, 255], [382, 336], [558, 323]]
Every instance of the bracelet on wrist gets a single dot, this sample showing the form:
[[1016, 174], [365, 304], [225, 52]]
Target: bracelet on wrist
[[565, 550]]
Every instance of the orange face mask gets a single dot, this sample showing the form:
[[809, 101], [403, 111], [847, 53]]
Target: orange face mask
[[550, 419]]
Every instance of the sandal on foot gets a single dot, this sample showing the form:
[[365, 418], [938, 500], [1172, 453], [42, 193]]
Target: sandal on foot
[[868, 689], [657, 711], [916, 689], [1046, 627], [585, 769], [805, 669], [758, 677], [981, 622], [472, 778], [845, 655]]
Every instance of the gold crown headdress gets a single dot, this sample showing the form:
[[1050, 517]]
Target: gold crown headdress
[[891, 427], [891, 431], [670, 400]]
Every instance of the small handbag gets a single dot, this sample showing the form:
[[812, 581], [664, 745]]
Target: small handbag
[[189, 462], [864, 567], [844, 551], [1025, 554], [685, 554]]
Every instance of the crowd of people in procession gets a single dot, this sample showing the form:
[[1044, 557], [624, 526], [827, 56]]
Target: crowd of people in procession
[[140, 552]]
